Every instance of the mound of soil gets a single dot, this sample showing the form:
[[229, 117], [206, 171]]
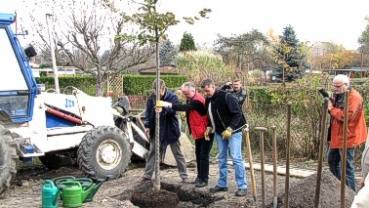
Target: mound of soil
[[302, 193]]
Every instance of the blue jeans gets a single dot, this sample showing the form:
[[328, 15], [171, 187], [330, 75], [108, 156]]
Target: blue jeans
[[233, 144], [334, 162]]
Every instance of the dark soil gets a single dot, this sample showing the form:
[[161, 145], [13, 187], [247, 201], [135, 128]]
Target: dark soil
[[148, 198]]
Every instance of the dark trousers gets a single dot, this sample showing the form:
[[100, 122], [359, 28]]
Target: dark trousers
[[202, 151]]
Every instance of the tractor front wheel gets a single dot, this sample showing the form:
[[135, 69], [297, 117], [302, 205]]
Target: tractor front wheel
[[8, 158], [104, 151]]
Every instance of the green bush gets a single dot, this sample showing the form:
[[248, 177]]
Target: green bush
[[141, 84], [85, 83]]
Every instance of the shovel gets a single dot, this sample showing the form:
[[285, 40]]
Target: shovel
[[248, 147], [262, 130], [275, 199]]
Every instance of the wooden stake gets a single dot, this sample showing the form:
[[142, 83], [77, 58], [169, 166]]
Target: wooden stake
[[321, 144]]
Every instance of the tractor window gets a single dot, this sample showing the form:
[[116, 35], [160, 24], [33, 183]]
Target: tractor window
[[14, 92], [11, 76], [14, 105]]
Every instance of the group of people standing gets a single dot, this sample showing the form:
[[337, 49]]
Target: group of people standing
[[217, 116]]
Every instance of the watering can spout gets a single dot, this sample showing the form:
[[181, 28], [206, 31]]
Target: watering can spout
[[95, 187], [86, 193]]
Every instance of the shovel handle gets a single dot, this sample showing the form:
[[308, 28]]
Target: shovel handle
[[248, 147], [260, 128]]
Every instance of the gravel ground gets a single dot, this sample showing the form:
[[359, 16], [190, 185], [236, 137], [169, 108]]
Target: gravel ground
[[26, 188]]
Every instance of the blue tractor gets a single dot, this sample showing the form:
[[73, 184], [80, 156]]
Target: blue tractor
[[63, 128]]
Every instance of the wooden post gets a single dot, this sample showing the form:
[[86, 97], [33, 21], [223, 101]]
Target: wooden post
[[321, 144], [262, 130], [253, 181], [274, 166], [288, 148], [344, 151]]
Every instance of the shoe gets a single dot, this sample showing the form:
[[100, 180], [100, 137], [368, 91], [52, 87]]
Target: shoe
[[201, 183], [218, 188], [185, 180], [195, 181], [144, 180], [241, 192]]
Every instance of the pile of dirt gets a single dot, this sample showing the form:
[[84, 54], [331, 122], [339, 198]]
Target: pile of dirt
[[302, 193]]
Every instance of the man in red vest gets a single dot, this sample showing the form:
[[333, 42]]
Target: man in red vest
[[197, 120]]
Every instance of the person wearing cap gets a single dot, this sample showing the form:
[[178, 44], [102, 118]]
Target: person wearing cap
[[197, 121], [169, 132]]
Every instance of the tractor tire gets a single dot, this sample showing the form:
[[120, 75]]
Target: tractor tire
[[104, 151], [8, 158], [56, 161]]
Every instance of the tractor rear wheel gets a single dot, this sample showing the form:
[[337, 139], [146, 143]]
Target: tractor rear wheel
[[8, 158], [104, 151]]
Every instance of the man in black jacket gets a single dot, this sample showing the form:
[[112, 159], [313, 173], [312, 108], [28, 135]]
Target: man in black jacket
[[169, 132], [226, 122], [236, 89]]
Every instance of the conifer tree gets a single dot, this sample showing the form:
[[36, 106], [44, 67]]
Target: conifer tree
[[187, 43], [291, 62]]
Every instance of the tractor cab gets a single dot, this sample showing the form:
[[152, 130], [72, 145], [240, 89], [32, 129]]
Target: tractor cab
[[18, 87]]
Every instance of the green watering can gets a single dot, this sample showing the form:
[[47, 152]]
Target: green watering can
[[50, 194], [60, 179], [76, 192], [71, 192]]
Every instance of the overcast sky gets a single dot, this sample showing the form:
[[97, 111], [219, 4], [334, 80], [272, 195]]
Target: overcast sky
[[315, 20]]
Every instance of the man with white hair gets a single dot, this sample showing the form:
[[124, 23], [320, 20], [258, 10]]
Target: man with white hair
[[356, 132]]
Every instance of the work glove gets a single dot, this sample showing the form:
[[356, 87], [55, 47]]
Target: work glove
[[164, 104], [183, 116], [226, 134], [207, 132]]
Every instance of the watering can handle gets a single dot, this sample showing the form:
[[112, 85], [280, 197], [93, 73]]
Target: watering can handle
[[48, 182], [60, 179], [71, 183]]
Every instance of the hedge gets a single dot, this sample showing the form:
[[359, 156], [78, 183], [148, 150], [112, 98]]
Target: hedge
[[140, 84], [85, 83], [132, 84]]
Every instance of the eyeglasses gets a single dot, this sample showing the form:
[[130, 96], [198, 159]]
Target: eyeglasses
[[338, 86]]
